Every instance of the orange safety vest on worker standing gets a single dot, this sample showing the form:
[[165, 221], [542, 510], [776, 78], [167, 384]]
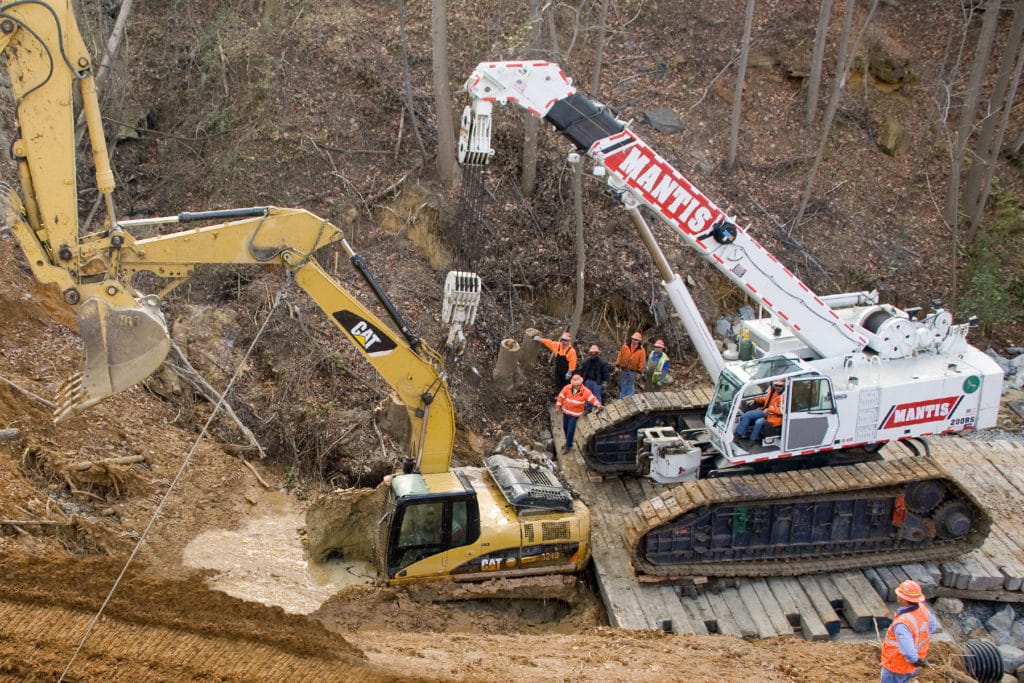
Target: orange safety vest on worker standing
[[631, 359], [559, 349], [917, 621], [575, 402]]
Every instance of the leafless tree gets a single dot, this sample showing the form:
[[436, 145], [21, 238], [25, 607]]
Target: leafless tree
[[531, 124], [602, 27], [410, 107], [442, 94], [843, 62], [581, 254], [741, 74], [814, 81], [993, 127], [969, 110]]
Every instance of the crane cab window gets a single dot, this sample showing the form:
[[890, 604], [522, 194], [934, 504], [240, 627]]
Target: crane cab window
[[811, 395]]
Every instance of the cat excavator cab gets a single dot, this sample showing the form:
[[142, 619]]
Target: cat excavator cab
[[512, 519]]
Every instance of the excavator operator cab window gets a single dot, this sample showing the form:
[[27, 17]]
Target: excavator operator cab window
[[430, 526]]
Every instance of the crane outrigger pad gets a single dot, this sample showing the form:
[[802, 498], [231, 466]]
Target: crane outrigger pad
[[121, 347], [806, 521]]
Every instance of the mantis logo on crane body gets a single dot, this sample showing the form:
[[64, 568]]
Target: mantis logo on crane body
[[370, 338], [663, 187], [919, 412]]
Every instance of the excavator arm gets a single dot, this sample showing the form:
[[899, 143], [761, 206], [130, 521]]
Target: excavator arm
[[288, 237], [123, 331]]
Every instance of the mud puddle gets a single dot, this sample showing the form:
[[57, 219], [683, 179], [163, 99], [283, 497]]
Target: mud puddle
[[265, 562]]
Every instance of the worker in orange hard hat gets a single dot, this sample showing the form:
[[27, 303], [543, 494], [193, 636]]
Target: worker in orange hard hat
[[906, 641], [630, 361], [657, 366], [595, 371], [565, 357]]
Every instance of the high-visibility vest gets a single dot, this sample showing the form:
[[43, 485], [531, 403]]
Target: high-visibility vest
[[565, 350], [630, 358], [918, 623], [656, 363], [574, 401], [772, 402]]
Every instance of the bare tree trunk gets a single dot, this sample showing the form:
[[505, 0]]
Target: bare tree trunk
[[970, 108], [843, 62], [443, 94], [410, 108], [985, 153], [531, 125], [577, 197], [602, 27], [556, 52], [814, 82], [995, 148], [109, 54], [737, 98]]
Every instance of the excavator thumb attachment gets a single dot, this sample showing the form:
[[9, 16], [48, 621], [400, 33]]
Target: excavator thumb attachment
[[122, 346]]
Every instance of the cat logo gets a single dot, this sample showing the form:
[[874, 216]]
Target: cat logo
[[490, 564], [370, 338]]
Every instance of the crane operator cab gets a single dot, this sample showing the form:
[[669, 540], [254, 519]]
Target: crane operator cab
[[772, 407]]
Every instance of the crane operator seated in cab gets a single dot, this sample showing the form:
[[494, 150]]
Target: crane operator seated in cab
[[762, 414]]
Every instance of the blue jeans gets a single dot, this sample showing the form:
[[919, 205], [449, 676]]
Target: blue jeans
[[752, 422], [569, 427], [595, 389], [627, 383], [890, 677]]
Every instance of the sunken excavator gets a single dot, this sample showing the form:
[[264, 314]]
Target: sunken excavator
[[854, 373], [511, 520]]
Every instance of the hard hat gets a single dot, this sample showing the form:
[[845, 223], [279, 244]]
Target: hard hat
[[594, 348], [660, 344], [566, 336], [577, 379], [778, 383], [637, 337], [910, 591]]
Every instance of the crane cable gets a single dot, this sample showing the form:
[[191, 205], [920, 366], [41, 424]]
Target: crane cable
[[159, 508]]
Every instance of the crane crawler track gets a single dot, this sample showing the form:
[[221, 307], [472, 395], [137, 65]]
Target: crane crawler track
[[608, 438], [790, 523]]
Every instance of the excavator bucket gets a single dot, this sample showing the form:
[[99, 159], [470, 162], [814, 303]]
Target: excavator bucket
[[122, 346]]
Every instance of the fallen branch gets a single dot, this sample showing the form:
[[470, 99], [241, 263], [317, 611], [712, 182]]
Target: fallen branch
[[10, 434], [125, 460], [189, 373], [48, 404], [255, 473], [32, 522]]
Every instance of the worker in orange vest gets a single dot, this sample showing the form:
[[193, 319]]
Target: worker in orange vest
[[565, 357], [630, 361], [571, 403], [906, 641], [761, 411]]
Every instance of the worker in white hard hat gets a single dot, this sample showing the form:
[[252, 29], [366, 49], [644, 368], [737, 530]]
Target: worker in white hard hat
[[907, 640]]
